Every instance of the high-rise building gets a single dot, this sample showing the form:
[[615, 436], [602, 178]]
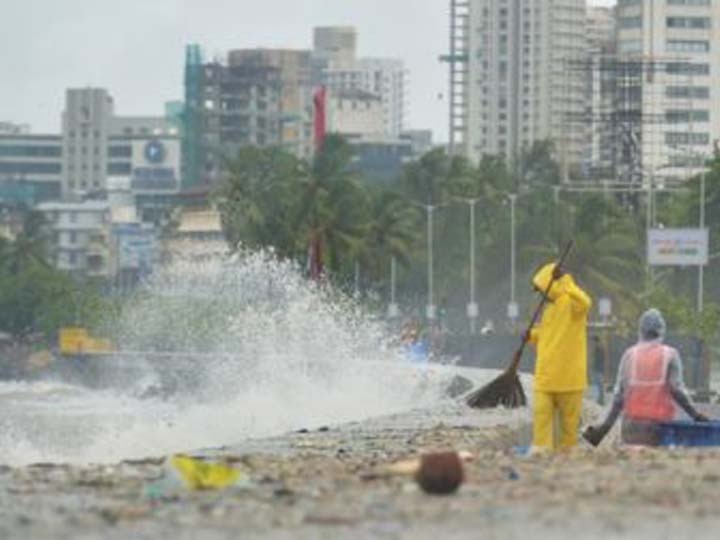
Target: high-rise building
[[675, 94], [296, 86], [86, 126], [337, 67], [238, 105], [600, 69], [97, 145], [386, 77], [510, 82]]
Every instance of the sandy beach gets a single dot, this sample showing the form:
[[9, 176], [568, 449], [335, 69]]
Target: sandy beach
[[319, 484]]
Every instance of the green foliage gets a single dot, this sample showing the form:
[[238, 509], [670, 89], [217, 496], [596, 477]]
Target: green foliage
[[35, 298], [682, 316], [274, 199]]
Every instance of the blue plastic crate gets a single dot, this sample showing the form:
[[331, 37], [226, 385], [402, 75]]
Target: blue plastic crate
[[688, 433]]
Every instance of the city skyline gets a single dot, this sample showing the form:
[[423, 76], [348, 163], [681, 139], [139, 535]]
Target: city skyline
[[135, 49]]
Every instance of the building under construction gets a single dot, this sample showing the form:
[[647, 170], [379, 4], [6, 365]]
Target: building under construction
[[255, 97], [624, 93], [631, 110]]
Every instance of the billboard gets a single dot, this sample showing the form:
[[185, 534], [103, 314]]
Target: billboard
[[677, 247], [156, 164]]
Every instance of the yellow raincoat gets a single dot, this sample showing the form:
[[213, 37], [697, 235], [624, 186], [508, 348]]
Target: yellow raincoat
[[561, 360]]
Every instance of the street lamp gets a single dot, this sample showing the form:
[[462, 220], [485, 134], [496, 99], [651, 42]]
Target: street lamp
[[393, 309], [472, 307], [430, 311], [513, 311], [701, 268]]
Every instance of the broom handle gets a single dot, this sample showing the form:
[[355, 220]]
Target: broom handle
[[536, 315]]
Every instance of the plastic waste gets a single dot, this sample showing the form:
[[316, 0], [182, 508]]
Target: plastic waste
[[184, 473]]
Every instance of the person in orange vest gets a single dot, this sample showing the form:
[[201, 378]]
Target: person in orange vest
[[561, 361], [649, 387]]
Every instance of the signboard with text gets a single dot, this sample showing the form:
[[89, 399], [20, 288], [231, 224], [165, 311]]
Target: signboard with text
[[678, 247]]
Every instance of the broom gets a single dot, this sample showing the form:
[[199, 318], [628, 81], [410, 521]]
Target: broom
[[506, 390]]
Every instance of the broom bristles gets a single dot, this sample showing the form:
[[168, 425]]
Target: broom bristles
[[505, 390]]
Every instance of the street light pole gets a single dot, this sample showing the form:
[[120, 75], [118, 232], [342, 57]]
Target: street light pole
[[701, 268], [393, 310], [649, 224], [393, 276], [513, 199], [431, 306], [472, 309]]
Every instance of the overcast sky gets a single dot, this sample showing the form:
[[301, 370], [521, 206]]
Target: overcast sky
[[135, 48]]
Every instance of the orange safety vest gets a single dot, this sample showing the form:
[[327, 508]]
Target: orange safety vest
[[647, 394]]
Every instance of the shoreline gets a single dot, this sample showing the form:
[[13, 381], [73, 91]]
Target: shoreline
[[315, 484]]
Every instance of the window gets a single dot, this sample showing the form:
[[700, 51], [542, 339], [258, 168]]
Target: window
[[630, 22], [16, 150], [120, 151], [120, 168], [503, 69], [680, 116], [630, 46], [687, 68], [687, 2], [685, 138], [73, 237], [696, 92], [23, 168], [694, 23], [72, 216], [687, 45]]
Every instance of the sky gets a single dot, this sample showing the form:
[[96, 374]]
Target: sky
[[135, 48]]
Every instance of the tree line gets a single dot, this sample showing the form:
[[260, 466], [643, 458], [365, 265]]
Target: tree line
[[272, 199], [36, 299]]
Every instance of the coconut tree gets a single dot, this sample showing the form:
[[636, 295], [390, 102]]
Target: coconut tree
[[258, 200], [390, 231], [29, 246], [330, 211]]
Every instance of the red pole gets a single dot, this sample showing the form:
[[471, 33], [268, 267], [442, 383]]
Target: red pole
[[320, 120]]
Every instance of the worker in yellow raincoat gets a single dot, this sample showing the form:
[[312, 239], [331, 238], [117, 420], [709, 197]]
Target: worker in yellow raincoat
[[561, 361]]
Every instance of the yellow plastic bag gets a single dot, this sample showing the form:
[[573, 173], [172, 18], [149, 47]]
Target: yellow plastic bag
[[198, 475]]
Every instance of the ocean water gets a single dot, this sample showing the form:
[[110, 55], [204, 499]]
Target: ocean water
[[216, 350]]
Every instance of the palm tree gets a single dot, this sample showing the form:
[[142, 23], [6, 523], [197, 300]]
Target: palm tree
[[258, 199], [330, 211], [390, 232], [30, 246]]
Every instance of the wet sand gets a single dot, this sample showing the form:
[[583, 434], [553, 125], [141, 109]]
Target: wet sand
[[316, 485]]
